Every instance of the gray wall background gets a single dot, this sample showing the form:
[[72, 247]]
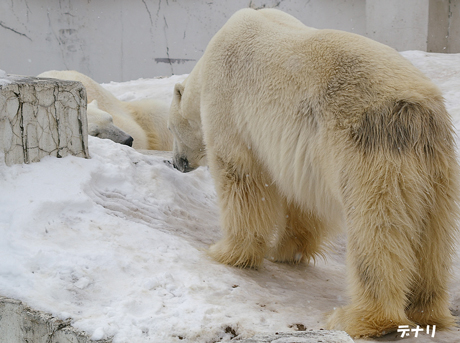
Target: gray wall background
[[120, 40]]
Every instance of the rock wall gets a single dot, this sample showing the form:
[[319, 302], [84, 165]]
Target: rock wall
[[21, 324], [42, 117]]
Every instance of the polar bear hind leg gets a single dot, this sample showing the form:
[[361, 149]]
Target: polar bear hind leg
[[380, 253], [429, 299], [400, 207]]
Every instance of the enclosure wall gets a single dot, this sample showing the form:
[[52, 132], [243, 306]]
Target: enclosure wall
[[119, 40]]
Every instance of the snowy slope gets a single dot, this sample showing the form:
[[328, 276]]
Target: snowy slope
[[118, 243]]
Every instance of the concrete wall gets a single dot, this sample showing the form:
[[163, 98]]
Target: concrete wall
[[389, 22], [122, 40], [427, 25], [119, 40], [444, 26], [21, 324]]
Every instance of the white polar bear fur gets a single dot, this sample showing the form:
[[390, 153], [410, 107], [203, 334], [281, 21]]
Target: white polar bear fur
[[100, 124], [306, 131], [145, 120]]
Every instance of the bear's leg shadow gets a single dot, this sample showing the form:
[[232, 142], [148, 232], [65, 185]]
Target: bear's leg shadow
[[250, 211], [302, 237]]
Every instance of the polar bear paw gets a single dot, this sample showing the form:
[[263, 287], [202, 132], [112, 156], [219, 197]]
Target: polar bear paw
[[232, 254], [361, 323]]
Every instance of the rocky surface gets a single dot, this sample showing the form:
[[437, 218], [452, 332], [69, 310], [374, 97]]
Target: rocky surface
[[42, 117]]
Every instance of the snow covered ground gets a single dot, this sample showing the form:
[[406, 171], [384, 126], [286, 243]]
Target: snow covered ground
[[118, 243]]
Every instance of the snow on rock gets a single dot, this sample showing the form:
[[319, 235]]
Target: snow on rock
[[4, 79]]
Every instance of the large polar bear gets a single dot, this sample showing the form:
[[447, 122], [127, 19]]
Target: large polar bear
[[309, 130], [144, 120]]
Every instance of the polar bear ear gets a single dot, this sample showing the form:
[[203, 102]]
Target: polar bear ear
[[178, 90]]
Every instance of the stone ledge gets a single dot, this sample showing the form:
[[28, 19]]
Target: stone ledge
[[325, 336], [42, 117], [21, 324]]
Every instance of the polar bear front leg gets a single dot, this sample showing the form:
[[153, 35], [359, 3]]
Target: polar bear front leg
[[250, 210]]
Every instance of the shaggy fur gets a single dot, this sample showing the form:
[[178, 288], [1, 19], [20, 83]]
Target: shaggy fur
[[144, 120], [307, 131]]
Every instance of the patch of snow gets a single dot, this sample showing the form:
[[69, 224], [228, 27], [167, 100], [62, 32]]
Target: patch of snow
[[4, 80]]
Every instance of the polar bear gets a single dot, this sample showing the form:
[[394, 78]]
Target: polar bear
[[100, 124], [145, 120], [306, 131]]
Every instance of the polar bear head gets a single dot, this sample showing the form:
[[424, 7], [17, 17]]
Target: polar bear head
[[185, 124], [100, 124]]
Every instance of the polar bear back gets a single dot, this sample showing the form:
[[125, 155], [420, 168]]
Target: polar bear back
[[263, 58]]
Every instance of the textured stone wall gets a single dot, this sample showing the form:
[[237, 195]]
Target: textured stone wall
[[20, 324], [42, 117]]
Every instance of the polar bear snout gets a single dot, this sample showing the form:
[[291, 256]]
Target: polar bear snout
[[182, 164], [128, 141]]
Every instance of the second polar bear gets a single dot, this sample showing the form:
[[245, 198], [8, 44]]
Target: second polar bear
[[144, 120], [100, 124], [308, 130]]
